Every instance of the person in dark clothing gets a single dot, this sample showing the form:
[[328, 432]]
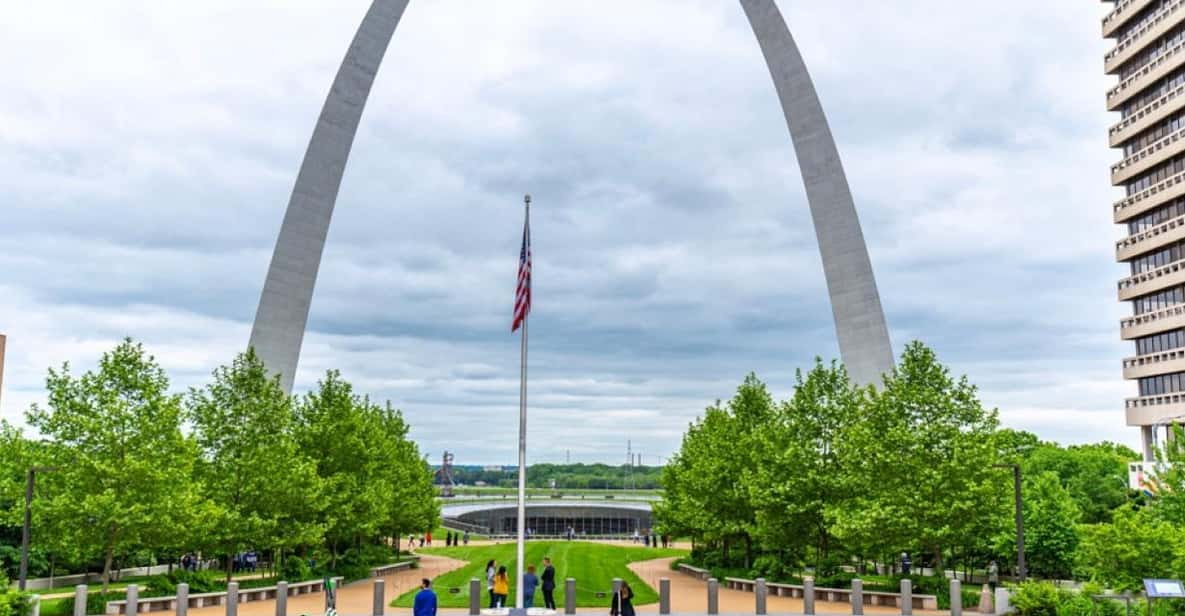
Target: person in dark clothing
[[491, 572], [647, 538], [905, 563], [623, 601], [548, 584]]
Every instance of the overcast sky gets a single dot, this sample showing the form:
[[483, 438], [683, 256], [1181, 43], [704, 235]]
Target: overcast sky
[[148, 149]]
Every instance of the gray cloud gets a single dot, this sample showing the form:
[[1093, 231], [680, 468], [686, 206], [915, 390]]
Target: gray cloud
[[148, 163]]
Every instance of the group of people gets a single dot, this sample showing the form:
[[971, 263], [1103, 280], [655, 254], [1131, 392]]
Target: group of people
[[450, 539], [652, 540], [498, 584], [189, 562]]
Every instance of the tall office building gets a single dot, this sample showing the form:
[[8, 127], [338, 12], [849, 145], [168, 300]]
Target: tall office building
[[1148, 60]]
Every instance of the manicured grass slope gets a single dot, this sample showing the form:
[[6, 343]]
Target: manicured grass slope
[[594, 565]]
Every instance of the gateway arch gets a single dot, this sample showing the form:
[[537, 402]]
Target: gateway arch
[[288, 290]]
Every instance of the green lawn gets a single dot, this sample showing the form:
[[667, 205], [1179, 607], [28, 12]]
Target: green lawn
[[594, 566]]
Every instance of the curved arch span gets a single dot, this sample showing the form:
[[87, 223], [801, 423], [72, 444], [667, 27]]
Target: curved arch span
[[283, 311]]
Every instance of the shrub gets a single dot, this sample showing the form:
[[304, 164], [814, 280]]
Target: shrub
[[295, 569], [1037, 599]]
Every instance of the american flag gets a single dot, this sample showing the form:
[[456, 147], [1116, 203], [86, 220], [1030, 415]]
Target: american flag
[[522, 295]]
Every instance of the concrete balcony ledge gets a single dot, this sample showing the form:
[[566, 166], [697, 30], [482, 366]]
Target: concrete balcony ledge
[[1152, 280], [1152, 154], [1151, 410], [1147, 115], [1140, 79], [1156, 194], [1127, 47], [1123, 11], [1152, 364], [1149, 239], [1152, 322]]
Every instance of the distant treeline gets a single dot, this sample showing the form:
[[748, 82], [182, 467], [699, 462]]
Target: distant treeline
[[566, 476]]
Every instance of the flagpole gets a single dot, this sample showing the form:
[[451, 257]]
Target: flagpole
[[522, 441]]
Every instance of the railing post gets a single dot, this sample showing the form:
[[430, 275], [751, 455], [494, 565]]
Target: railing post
[[857, 597], [181, 607], [808, 596], [956, 597], [759, 592], [80, 600], [232, 599], [570, 596], [380, 595], [713, 596], [133, 603], [664, 595], [282, 599], [474, 596], [906, 597]]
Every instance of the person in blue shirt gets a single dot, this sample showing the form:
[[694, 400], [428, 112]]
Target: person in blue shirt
[[530, 583], [425, 604]]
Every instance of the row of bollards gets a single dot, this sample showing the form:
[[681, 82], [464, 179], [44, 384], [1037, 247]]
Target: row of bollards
[[760, 590]]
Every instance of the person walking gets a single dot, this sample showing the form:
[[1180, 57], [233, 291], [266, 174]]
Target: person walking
[[530, 583], [905, 563], [501, 587], [548, 584], [993, 576], [491, 573], [425, 603], [465, 538], [623, 601]]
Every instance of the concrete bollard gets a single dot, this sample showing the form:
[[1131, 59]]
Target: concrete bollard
[[181, 607], [759, 593], [857, 597], [985, 601], [133, 603], [956, 597], [1003, 602], [664, 595], [232, 599], [808, 596], [616, 586], [474, 596], [282, 599], [80, 600], [713, 596], [570, 596], [906, 597], [35, 605], [380, 598]]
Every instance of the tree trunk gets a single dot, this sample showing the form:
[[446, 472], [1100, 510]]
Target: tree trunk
[[230, 566], [107, 564], [748, 551]]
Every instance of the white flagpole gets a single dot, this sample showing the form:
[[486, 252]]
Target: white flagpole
[[522, 438]]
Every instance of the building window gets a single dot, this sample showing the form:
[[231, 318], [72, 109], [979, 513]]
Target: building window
[[1164, 341], [1162, 384], [1158, 258]]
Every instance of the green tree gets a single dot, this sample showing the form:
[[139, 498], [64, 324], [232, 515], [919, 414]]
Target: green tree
[[705, 496], [365, 463], [123, 466], [261, 490], [1095, 475], [918, 464], [1136, 544], [797, 474], [1051, 527]]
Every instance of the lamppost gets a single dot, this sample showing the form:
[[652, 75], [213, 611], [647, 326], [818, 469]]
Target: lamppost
[[29, 478], [1020, 522]]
